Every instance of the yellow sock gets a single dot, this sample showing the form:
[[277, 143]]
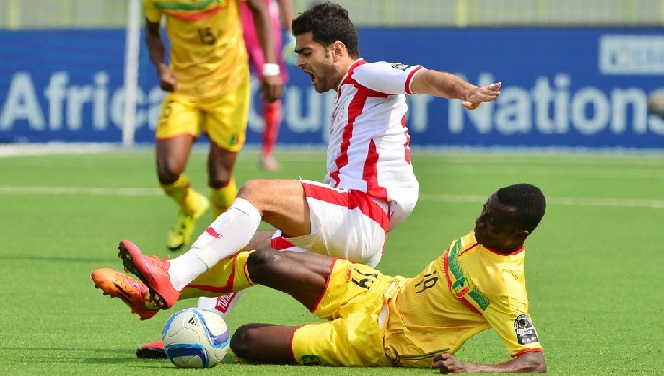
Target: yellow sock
[[227, 276], [222, 198], [182, 193]]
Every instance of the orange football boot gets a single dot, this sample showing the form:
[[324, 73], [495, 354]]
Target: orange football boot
[[134, 293]]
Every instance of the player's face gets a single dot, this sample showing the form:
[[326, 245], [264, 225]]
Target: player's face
[[496, 227], [317, 61]]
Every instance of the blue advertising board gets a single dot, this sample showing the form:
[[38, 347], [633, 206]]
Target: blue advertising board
[[562, 87]]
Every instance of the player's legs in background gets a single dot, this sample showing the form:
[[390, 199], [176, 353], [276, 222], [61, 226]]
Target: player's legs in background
[[272, 122], [220, 178], [172, 155], [177, 129], [271, 111], [226, 125]]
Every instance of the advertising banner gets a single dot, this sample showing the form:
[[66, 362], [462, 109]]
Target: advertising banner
[[562, 87]]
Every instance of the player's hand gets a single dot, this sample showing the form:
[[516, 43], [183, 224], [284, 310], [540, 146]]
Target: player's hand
[[288, 52], [271, 88], [481, 94], [448, 364], [167, 80]]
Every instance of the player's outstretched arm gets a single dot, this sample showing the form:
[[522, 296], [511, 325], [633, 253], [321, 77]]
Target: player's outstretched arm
[[529, 362], [447, 85]]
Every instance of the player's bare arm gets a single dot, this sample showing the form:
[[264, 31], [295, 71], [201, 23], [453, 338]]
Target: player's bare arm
[[529, 362], [271, 84], [447, 85], [286, 13], [157, 51]]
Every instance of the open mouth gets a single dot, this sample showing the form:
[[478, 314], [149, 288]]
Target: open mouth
[[312, 78]]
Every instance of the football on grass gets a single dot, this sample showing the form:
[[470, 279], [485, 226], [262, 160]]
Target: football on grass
[[195, 338]]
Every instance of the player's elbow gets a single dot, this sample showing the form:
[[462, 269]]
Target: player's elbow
[[532, 362], [536, 363], [539, 367]]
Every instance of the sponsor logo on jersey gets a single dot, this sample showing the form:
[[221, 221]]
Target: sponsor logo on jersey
[[524, 329], [400, 66]]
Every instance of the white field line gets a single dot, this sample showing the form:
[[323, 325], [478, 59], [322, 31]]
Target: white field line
[[566, 201], [19, 150], [81, 191]]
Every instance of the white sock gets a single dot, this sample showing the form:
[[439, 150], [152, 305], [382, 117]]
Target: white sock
[[229, 233], [222, 304], [207, 303]]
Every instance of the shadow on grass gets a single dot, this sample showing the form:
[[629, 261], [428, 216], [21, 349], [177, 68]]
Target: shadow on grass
[[89, 356], [84, 355]]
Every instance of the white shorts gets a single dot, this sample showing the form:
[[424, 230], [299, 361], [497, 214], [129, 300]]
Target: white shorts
[[347, 224]]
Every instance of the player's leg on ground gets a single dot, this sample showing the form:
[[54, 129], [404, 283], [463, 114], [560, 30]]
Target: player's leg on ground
[[264, 343], [301, 275]]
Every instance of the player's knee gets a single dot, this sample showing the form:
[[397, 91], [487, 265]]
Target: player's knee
[[243, 341], [261, 264], [167, 175], [251, 189], [218, 183]]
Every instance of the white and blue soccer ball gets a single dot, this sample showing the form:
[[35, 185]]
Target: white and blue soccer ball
[[196, 338]]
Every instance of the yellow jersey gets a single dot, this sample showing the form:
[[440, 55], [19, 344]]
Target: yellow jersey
[[468, 289], [207, 51]]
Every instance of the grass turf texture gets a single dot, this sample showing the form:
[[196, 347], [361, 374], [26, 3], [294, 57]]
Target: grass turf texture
[[593, 265]]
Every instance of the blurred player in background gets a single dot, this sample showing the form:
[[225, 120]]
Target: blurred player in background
[[207, 80], [478, 282], [281, 13]]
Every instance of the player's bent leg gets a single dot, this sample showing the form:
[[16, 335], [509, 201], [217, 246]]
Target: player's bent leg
[[287, 211], [263, 343], [301, 275]]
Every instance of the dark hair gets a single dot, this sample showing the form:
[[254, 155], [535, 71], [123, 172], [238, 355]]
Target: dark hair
[[529, 202], [328, 23]]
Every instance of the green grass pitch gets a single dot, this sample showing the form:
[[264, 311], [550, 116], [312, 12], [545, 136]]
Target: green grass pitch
[[594, 266]]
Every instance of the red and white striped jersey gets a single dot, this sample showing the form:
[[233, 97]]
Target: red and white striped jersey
[[369, 147]]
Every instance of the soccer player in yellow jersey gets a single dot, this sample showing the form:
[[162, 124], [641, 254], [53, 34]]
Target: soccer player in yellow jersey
[[207, 80], [476, 283]]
